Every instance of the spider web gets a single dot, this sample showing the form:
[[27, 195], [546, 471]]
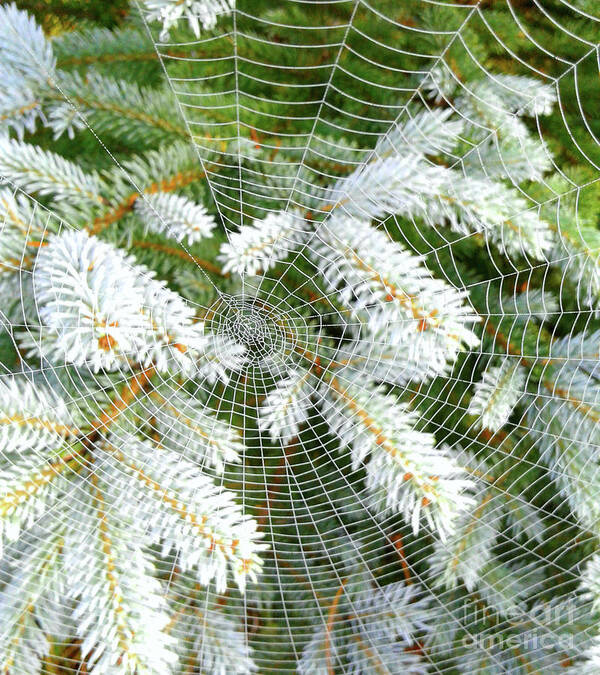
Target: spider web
[[313, 507]]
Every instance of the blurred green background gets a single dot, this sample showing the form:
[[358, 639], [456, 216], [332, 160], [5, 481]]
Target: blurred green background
[[60, 15]]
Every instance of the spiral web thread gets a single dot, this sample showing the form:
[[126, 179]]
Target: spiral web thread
[[272, 328]]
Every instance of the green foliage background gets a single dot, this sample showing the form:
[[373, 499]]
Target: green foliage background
[[569, 140], [57, 16]]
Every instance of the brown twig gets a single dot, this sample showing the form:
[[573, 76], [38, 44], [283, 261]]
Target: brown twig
[[329, 627], [126, 396], [179, 180], [177, 253], [399, 547]]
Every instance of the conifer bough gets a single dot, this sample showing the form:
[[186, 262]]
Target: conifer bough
[[253, 384]]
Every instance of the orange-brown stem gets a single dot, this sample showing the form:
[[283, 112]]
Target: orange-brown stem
[[329, 627], [176, 181], [399, 546], [126, 396], [177, 253]]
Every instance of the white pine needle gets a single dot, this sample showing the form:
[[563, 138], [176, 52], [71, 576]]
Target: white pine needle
[[497, 393]]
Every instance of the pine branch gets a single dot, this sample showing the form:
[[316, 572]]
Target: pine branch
[[329, 625], [577, 250], [284, 409], [396, 184], [32, 418], [36, 575], [258, 247], [76, 193], [195, 12], [122, 402], [497, 393], [372, 633], [471, 204], [151, 324], [19, 108], [25, 50], [92, 45], [470, 547], [428, 132], [171, 169], [138, 116], [190, 515], [388, 289], [185, 426], [178, 253], [213, 641], [28, 490], [120, 597], [175, 216], [405, 472]]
